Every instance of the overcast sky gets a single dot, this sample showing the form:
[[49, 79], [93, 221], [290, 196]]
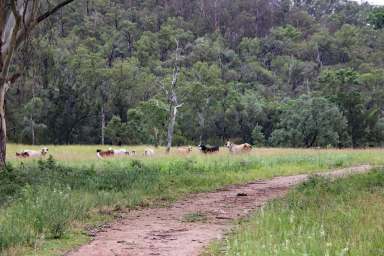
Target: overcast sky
[[376, 2]]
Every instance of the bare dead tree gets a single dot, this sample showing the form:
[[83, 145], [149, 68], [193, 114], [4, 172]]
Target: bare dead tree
[[173, 100], [17, 19]]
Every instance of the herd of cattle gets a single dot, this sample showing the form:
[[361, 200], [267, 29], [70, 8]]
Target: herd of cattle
[[102, 154]]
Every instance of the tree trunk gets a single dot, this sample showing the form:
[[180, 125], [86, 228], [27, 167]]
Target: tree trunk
[[202, 126], [171, 126], [216, 16], [102, 125], [32, 131], [3, 128], [156, 135]]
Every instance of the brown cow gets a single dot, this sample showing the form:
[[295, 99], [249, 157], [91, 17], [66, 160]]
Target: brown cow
[[112, 152], [104, 153], [184, 150]]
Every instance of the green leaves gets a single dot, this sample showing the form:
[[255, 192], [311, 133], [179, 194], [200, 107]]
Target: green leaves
[[116, 131], [310, 122], [376, 18]]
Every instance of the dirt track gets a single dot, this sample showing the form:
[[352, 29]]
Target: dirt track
[[164, 231]]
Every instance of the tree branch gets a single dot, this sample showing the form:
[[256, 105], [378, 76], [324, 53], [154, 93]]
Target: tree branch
[[12, 43], [2, 24], [52, 11], [14, 10], [161, 85], [25, 11], [176, 69]]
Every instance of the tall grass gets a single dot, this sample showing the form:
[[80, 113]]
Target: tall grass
[[47, 199], [320, 217]]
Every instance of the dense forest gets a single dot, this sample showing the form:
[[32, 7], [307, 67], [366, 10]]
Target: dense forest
[[301, 73]]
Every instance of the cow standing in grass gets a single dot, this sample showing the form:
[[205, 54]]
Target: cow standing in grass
[[209, 149], [184, 150], [149, 152], [235, 149], [101, 154], [120, 152], [111, 152], [27, 153]]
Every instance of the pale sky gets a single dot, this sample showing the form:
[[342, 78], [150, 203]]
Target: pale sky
[[375, 2]]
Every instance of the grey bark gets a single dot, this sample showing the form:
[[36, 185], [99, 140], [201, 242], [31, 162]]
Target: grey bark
[[172, 99], [171, 126]]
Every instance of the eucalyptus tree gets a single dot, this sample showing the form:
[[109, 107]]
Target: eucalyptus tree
[[203, 89], [17, 20], [32, 109], [170, 91]]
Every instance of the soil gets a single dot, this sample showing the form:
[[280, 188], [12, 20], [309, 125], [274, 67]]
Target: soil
[[186, 227]]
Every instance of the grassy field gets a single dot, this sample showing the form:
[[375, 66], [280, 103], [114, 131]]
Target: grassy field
[[345, 217], [84, 155], [46, 205]]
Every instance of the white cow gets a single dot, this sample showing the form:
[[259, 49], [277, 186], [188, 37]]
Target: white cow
[[233, 148], [32, 153], [149, 152], [120, 152]]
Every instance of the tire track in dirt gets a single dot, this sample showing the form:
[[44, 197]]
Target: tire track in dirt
[[164, 231]]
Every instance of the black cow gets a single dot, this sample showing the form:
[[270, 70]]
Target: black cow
[[209, 149]]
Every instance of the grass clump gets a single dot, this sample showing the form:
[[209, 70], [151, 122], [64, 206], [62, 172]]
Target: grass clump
[[40, 212], [195, 217], [320, 217]]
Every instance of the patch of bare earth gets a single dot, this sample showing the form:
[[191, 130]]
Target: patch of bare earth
[[172, 230]]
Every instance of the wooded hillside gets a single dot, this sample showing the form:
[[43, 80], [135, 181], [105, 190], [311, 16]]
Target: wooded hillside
[[299, 73]]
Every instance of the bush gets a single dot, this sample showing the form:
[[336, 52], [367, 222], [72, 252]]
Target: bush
[[11, 184], [310, 122], [116, 131]]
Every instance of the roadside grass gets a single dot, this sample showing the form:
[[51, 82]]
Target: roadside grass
[[319, 217], [45, 204]]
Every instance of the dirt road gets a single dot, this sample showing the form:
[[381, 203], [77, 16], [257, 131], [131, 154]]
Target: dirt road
[[170, 232]]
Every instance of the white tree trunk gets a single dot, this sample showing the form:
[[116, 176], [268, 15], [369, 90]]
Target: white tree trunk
[[171, 126], [3, 127]]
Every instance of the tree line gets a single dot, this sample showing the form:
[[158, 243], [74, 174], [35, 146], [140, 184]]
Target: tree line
[[275, 73]]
